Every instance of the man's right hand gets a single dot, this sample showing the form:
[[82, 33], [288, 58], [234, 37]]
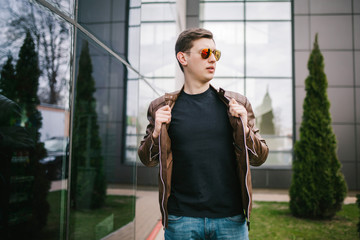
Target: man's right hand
[[162, 115]]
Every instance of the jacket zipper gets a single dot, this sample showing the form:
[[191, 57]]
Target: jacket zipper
[[226, 101], [162, 181], [246, 176]]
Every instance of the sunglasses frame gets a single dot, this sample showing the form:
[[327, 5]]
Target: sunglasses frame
[[207, 54]]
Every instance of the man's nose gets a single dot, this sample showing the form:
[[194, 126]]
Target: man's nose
[[212, 58]]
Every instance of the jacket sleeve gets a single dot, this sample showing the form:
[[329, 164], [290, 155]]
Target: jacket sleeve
[[256, 145], [149, 149]]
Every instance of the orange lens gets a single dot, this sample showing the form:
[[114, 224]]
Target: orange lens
[[217, 54], [205, 53]]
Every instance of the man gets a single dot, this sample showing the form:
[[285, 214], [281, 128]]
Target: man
[[204, 141]]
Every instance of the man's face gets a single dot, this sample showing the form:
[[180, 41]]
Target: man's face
[[198, 68]]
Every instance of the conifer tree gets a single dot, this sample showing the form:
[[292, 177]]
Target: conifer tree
[[7, 79], [318, 187], [27, 83], [87, 157]]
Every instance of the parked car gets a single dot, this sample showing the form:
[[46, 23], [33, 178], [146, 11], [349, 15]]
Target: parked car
[[57, 159]]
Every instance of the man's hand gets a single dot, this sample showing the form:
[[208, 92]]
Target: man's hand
[[162, 115], [237, 110]]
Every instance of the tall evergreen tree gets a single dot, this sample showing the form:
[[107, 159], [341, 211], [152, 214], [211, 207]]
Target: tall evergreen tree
[[7, 79], [27, 83], [88, 179], [318, 187]]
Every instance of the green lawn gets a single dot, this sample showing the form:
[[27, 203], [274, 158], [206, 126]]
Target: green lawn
[[83, 222], [269, 221], [273, 220]]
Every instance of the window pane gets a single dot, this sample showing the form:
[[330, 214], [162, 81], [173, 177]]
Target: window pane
[[158, 12], [272, 104], [229, 84], [147, 94], [268, 11], [97, 152], [268, 49], [229, 39], [157, 49], [271, 101], [278, 159], [134, 16], [215, 11], [107, 25], [66, 6]]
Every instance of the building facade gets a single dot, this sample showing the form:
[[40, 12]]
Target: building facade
[[103, 62]]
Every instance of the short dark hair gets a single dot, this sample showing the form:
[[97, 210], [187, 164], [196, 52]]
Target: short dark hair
[[186, 38]]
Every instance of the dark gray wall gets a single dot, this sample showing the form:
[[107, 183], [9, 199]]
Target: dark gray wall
[[108, 20]]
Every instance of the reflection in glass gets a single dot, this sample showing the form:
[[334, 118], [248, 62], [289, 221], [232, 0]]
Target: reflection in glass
[[268, 11], [270, 101], [268, 49], [23, 178], [235, 84], [157, 12], [52, 40], [37, 172], [215, 11], [229, 39], [157, 49], [66, 6], [256, 61], [102, 186]]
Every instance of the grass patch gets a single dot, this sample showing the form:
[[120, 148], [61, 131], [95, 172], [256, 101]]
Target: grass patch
[[273, 220], [83, 222]]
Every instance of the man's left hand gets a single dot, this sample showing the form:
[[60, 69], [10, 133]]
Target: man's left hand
[[237, 110]]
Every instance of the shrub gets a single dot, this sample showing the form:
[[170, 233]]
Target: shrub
[[318, 187]]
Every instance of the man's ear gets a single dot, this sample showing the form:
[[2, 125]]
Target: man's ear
[[181, 58]]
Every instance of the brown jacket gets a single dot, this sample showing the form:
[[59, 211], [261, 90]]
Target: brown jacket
[[154, 151]]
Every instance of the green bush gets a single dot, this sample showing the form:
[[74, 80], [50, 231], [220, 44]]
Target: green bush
[[358, 204], [318, 187], [26, 183], [88, 183]]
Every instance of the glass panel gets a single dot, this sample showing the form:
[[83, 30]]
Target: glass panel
[[34, 121], [214, 11], [271, 101], [268, 49], [278, 159], [267, 55], [66, 6], [157, 49], [267, 1], [150, 90], [268, 11], [229, 39], [229, 84], [99, 208], [151, 1], [158, 12], [107, 25], [134, 16]]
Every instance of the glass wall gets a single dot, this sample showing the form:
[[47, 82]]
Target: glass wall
[[36, 67], [250, 35], [63, 95]]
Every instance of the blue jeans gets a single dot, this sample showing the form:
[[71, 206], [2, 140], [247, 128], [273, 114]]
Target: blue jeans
[[206, 228]]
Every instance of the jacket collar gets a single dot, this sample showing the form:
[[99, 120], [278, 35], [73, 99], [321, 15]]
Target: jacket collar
[[172, 97]]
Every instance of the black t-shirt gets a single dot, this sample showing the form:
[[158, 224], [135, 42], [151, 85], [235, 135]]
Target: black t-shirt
[[204, 179]]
